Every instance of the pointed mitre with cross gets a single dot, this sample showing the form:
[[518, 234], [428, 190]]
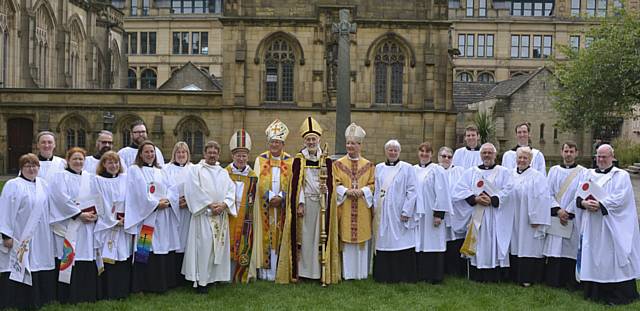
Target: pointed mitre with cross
[[240, 141], [310, 127], [277, 130], [355, 132]]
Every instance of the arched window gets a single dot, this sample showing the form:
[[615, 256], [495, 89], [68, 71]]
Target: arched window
[[75, 51], [465, 77], [42, 41], [486, 77], [279, 63], [555, 135], [389, 73], [193, 134], [132, 79], [148, 79], [75, 133], [115, 65], [542, 132]]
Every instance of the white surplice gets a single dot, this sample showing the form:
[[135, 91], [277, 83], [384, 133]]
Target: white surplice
[[19, 201], [466, 157], [145, 187], [610, 243], [497, 222], [208, 255], [531, 203], [556, 246], [397, 199], [110, 237], [308, 262], [457, 221], [176, 175], [433, 195], [48, 168], [538, 163], [66, 200], [128, 156]]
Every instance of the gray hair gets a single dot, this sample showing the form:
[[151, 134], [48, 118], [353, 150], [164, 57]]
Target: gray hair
[[445, 148], [392, 143], [606, 146], [525, 150], [488, 145]]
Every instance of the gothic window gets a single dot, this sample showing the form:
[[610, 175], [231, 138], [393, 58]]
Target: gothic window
[[279, 63], [389, 73], [149, 79], [6, 20], [132, 79], [75, 134], [74, 64], [42, 41], [193, 134], [115, 65]]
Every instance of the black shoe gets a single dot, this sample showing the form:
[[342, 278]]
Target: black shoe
[[203, 290]]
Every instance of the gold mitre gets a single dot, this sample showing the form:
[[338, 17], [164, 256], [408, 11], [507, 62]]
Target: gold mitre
[[355, 132], [310, 126], [240, 140], [277, 130]]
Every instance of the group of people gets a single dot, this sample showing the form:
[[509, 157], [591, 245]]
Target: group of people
[[101, 226]]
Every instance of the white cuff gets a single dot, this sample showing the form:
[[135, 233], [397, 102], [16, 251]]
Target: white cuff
[[341, 191], [368, 196]]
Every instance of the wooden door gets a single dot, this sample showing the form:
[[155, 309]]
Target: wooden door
[[20, 138]]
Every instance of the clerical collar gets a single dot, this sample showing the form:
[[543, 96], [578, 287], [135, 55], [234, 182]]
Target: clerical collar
[[178, 164], [133, 145], [569, 166], [97, 156], [239, 169], [41, 158], [353, 159], [27, 179], [72, 171], [424, 165], [389, 163], [605, 171], [484, 167], [147, 164], [477, 148], [518, 146], [446, 168], [522, 171], [106, 174]]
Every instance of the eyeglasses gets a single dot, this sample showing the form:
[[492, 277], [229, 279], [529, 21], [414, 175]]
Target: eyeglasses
[[446, 156]]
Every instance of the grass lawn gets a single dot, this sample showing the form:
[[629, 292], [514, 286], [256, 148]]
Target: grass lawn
[[453, 294]]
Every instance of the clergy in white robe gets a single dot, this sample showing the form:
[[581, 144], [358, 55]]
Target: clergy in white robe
[[353, 184], [24, 226], [608, 261], [531, 203], [484, 190], [561, 250], [395, 219], [509, 158], [150, 216], [138, 135], [457, 221], [210, 195], [73, 218], [177, 171], [114, 244], [104, 143], [433, 203], [469, 155], [49, 163]]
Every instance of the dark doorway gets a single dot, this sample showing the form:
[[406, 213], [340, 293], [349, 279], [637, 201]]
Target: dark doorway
[[20, 137]]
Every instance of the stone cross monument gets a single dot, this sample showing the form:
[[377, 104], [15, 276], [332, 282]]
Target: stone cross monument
[[344, 29]]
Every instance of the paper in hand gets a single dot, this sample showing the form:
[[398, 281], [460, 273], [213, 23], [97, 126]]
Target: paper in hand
[[558, 229], [590, 190]]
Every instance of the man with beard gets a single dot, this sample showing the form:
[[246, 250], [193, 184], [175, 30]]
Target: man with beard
[[104, 143], [307, 191], [210, 195], [49, 163], [138, 135]]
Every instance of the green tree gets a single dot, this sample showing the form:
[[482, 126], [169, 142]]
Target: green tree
[[600, 85]]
